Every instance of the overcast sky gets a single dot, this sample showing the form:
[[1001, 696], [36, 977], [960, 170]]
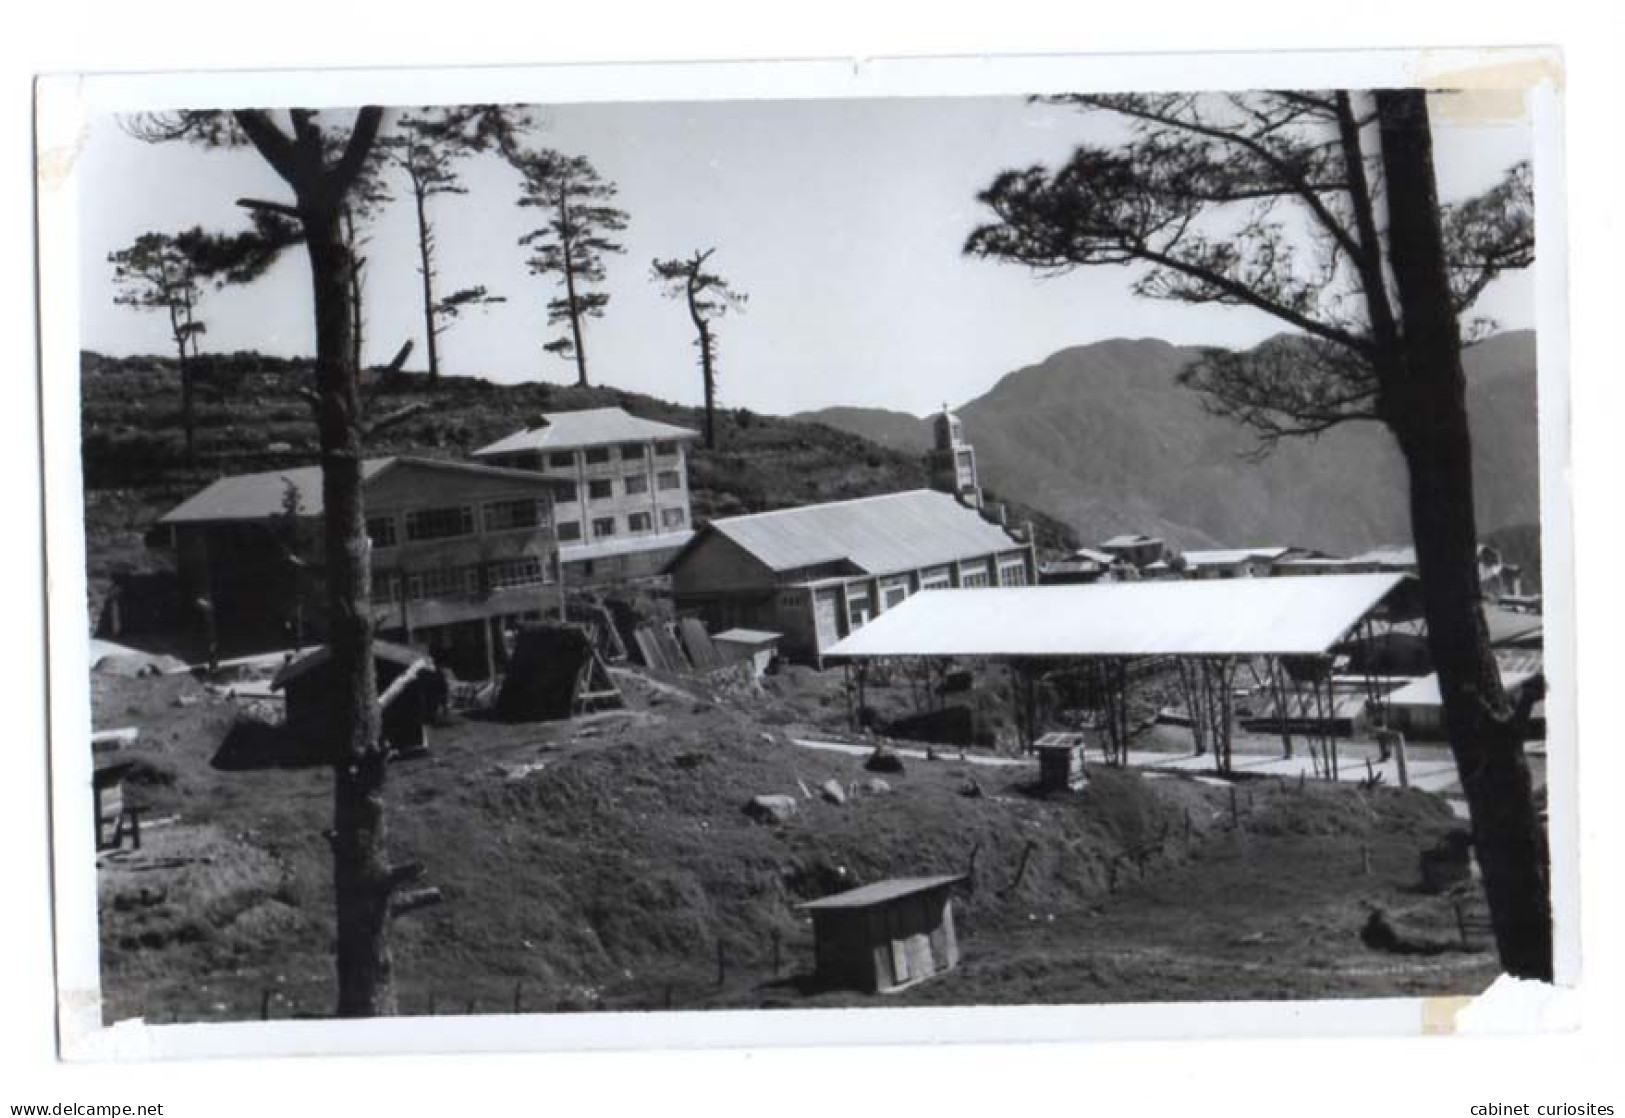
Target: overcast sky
[[842, 219]]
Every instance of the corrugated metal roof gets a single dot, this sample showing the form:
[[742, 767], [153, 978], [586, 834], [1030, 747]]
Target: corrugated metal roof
[[1425, 691], [624, 545], [882, 891], [566, 430], [1209, 617], [884, 534], [1131, 540], [747, 636], [257, 496], [1224, 556]]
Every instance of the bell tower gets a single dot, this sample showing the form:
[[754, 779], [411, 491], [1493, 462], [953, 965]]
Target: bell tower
[[953, 460]]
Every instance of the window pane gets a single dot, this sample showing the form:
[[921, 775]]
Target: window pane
[[381, 531], [525, 512], [562, 459], [598, 454], [603, 526], [670, 479], [637, 483], [671, 518], [639, 522], [632, 452], [569, 530], [600, 489], [435, 524]]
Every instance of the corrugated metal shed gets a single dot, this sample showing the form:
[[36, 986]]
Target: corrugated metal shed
[[1233, 617], [892, 532], [882, 891], [257, 496], [567, 430]]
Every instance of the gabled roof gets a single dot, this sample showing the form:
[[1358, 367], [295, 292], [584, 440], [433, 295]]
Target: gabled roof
[[1199, 617], [1091, 555], [567, 430], [258, 496], [1133, 540], [880, 535], [314, 658], [882, 891]]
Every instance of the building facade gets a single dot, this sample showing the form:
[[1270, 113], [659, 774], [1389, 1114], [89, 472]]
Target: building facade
[[953, 460], [816, 573], [622, 488], [460, 554]]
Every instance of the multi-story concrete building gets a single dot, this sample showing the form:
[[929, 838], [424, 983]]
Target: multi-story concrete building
[[819, 572], [623, 502], [460, 554]]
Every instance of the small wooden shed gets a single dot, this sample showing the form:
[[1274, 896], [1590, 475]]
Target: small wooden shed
[[885, 936], [756, 645], [1061, 763], [311, 688]]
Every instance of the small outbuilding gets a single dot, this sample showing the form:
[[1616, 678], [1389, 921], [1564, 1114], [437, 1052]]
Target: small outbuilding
[[1061, 763], [313, 700], [756, 645], [885, 936]]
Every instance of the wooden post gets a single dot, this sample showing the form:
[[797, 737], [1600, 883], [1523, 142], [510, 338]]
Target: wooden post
[[668, 995], [519, 996], [490, 650], [1399, 760], [265, 1004], [135, 827]]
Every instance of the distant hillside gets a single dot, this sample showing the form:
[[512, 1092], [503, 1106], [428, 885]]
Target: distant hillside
[[251, 418], [1104, 438]]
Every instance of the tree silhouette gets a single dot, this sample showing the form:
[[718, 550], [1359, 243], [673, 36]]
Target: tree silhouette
[[320, 158], [427, 145], [573, 242], [1321, 209], [155, 273], [708, 297]]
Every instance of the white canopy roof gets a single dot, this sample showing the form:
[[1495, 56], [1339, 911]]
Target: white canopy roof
[[1214, 617]]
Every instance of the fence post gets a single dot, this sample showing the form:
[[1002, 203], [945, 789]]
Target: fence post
[[519, 996], [265, 1004]]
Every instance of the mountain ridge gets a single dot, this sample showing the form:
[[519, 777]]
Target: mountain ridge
[[1102, 437]]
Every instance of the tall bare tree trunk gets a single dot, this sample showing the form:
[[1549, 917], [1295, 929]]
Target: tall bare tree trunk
[[1423, 400], [361, 872], [426, 266]]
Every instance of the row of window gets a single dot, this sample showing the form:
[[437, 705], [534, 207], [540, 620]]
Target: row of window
[[893, 591], [603, 488], [597, 455], [457, 582], [606, 527], [449, 521]]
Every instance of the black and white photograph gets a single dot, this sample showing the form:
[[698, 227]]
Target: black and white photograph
[[550, 553]]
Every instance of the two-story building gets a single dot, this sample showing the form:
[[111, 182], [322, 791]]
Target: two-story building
[[623, 501], [460, 553], [818, 572]]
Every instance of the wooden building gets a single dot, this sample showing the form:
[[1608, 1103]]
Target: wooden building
[[885, 936], [460, 553], [819, 572]]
